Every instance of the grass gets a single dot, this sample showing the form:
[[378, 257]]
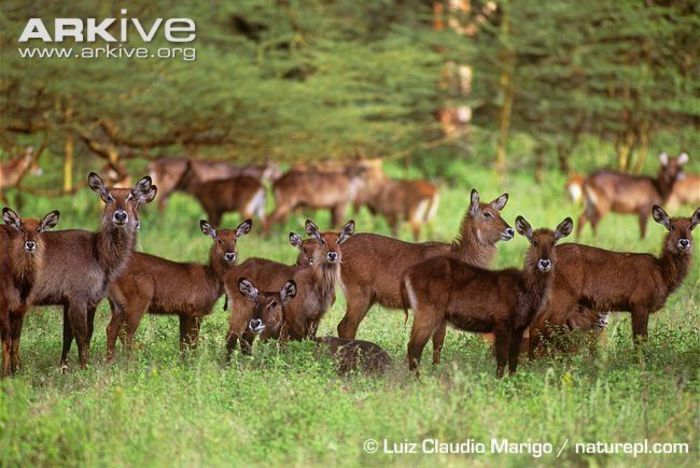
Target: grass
[[288, 406]]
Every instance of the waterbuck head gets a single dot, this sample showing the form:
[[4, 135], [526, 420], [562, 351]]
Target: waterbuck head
[[489, 226], [30, 229], [679, 239], [671, 169], [122, 204], [306, 247], [225, 246], [328, 253], [542, 255], [268, 307]]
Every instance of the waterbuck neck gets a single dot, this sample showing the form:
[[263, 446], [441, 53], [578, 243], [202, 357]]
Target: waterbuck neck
[[216, 269], [538, 286], [114, 247], [469, 247], [674, 267], [324, 279], [664, 184], [24, 266]]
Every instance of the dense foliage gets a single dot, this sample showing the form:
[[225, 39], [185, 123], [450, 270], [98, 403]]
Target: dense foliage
[[315, 79]]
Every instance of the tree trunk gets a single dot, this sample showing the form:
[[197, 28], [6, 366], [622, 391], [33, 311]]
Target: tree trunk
[[69, 152], [643, 146], [539, 164], [507, 91]]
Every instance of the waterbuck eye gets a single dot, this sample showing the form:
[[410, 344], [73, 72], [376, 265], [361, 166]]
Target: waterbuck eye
[[488, 215]]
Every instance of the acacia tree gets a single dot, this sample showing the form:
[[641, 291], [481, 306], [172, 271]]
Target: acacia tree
[[620, 70], [297, 80]]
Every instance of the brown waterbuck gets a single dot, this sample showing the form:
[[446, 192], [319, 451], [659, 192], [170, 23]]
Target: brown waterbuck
[[685, 192], [21, 258], [12, 172], [267, 275], [269, 319], [373, 264], [243, 194], [316, 189], [80, 265], [315, 284], [173, 174], [605, 281], [504, 302], [412, 201], [607, 190], [160, 286], [262, 312]]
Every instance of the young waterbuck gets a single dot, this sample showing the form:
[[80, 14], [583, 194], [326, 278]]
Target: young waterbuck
[[267, 275], [373, 266], [605, 281], [261, 313], [22, 252], [268, 310], [315, 284], [160, 286], [80, 265], [444, 289]]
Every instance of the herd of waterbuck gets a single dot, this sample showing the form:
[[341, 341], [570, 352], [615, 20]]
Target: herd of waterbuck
[[560, 288]]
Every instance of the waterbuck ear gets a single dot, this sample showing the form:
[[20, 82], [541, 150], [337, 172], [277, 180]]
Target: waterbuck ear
[[247, 289], [695, 219], [288, 291], [144, 190], [244, 228], [207, 229], [50, 220], [564, 228], [347, 231], [11, 218], [148, 196], [523, 227], [312, 229], [661, 217], [474, 204], [295, 240], [663, 159], [499, 203], [98, 186], [683, 158]]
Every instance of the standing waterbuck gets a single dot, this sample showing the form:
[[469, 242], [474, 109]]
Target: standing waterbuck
[[606, 191], [80, 265], [373, 266], [504, 302], [605, 281], [160, 286], [22, 252]]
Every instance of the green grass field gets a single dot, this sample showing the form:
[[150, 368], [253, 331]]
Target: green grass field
[[289, 406]]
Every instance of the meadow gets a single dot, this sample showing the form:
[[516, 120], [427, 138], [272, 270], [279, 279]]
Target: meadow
[[288, 405]]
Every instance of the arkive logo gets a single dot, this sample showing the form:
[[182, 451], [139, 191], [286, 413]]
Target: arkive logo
[[92, 29]]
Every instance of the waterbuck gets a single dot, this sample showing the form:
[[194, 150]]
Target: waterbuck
[[444, 289], [604, 281], [80, 265], [160, 286], [22, 250], [373, 265], [606, 191]]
